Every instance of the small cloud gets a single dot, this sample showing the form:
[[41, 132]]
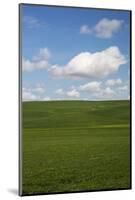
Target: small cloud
[[39, 90], [36, 93], [73, 93], [69, 93], [43, 54], [27, 95], [85, 29], [91, 87], [32, 22], [40, 61], [107, 92], [59, 91], [105, 28], [123, 88], [97, 90], [113, 82]]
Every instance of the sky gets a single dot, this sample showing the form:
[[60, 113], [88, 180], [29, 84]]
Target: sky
[[74, 53]]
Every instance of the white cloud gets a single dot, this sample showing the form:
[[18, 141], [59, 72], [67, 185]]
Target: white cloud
[[96, 89], [59, 91], [32, 22], [85, 29], [39, 61], [36, 93], [73, 93], [43, 54], [113, 82], [27, 95], [105, 28], [69, 93], [123, 88], [39, 90], [91, 65], [107, 92], [91, 87]]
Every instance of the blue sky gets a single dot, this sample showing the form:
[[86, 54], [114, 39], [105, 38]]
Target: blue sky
[[73, 53]]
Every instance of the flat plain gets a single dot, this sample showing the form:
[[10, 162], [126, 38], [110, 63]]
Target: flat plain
[[71, 146]]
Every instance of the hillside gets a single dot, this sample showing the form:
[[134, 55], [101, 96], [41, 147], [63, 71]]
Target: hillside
[[73, 146]]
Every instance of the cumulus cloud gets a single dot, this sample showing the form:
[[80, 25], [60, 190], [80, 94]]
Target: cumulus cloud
[[43, 54], [113, 82], [91, 87], [71, 93], [105, 28], [27, 95], [59, 91], [39, 90], [85, 29], [102, 90], [40, 61], [91, 65], [36, 93], [107, 92], [94, 90], [97, 89]]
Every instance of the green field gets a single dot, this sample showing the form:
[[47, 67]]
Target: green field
[[75, 146]]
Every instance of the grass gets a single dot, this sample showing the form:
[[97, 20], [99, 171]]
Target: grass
[[75, 146]]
